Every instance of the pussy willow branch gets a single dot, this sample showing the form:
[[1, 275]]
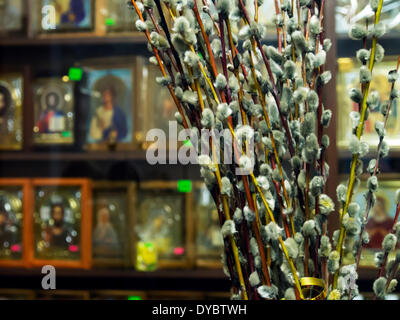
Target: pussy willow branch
[[359, 132]]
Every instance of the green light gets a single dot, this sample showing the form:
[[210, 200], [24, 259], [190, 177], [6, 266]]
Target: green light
[[184, 186], [134, 298], [66, 134], [188, 143], [75, 74], [149, 245], [110, 22]]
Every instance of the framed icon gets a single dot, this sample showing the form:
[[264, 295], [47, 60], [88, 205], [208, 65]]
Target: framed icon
[[163, 222], [113, 205], [209, 240], [348, 78], [380, 220], [53, 112], [11, 97], [110, 118], [156, 110], [15, 203], [12, 16], [117, 295], [351, 12], [61, 208]]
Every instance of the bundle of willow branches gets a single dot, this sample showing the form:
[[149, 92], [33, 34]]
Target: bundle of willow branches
[[274, 217]]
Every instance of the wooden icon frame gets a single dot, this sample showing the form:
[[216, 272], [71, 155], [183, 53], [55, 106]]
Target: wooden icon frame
[[85, 261]]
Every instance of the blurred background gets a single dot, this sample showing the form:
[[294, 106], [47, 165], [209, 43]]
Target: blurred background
[[77, 98]]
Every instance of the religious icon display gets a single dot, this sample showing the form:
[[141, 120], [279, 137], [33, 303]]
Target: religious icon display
[[54, 112], [209, 240], [66, 15], [11, 97], [110, 119], [112, 205], [61, 207], [162, 224], [348, 78]]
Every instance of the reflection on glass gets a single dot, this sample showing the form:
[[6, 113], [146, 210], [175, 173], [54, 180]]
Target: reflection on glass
[[209, 241], [118, 18], [349, 12], [54, 111], [66, 15], [348, 78], [57, 220], [161, 222], [10, 111], [157, 105], [110, 224], [11, 223]]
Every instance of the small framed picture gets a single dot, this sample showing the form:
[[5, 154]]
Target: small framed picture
[[381, 216], [53, 112], [113, 204], [62, 295], [156, 110], [61, 208], [15, 203], [163, 226], [11, 97], [66, 16], [350, 12], [117, 295], [12, 17], [209, 240], [348, 78], [110, 115]]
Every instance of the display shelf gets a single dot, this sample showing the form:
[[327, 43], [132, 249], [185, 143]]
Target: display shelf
[[136, 38]]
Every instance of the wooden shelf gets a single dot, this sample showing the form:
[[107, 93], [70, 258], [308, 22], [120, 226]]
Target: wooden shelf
[[92, 40]]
